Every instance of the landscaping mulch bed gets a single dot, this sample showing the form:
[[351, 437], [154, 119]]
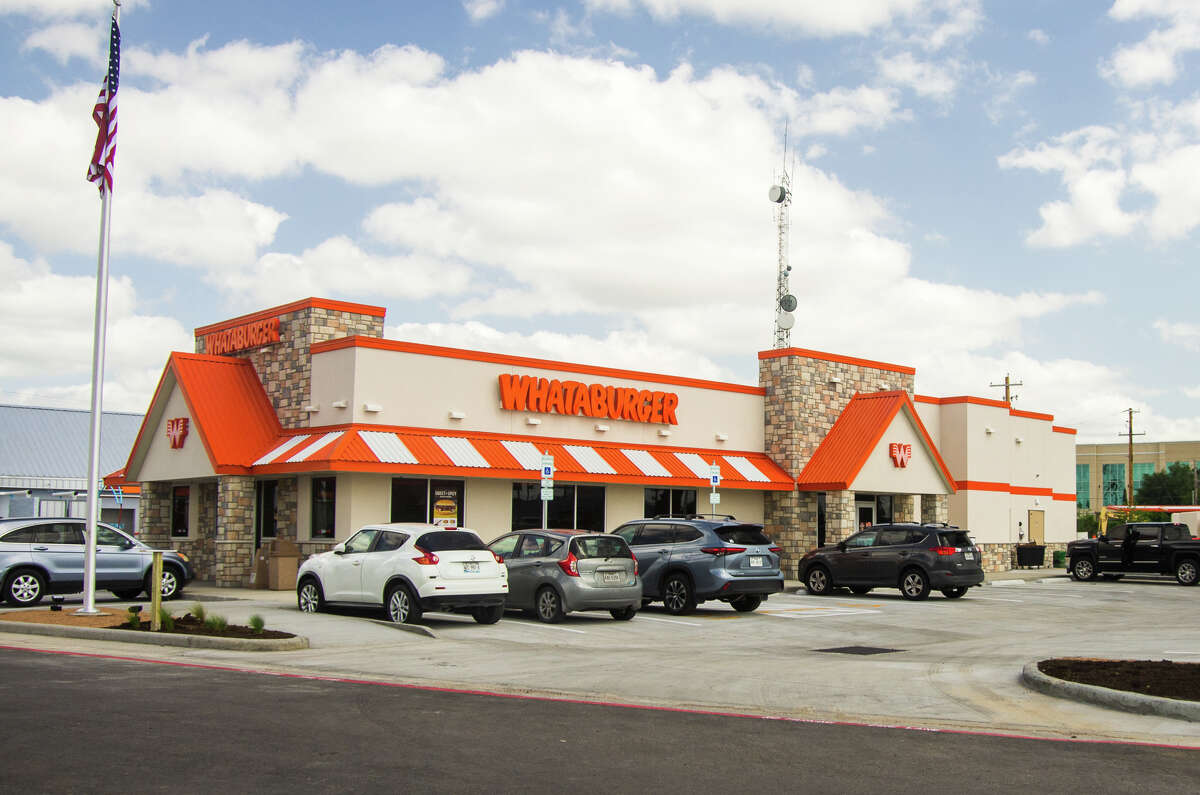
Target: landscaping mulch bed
[[1163, 678], [190, 625]]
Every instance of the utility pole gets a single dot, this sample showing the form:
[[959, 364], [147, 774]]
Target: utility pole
[[1129, 433], [1008, 385]]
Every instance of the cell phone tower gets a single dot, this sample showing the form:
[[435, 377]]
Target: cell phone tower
[[785, 303]]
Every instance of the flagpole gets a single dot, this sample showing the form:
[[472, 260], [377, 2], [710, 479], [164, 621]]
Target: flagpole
[[98, 338]]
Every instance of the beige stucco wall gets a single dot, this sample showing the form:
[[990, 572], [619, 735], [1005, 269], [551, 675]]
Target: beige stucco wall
[[487, 503], [880, 474], [161, 462], [418, 390]]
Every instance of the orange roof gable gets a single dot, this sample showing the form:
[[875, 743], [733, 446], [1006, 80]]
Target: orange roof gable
[[858, 429], [229, 408]]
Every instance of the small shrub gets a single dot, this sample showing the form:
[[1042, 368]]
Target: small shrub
[[165, 620], [198, 611], [257, 623], [133, 619], [216, 623]]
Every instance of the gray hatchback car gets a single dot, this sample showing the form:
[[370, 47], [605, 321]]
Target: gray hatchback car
[[42, 555], [685, 560], [554, 572]]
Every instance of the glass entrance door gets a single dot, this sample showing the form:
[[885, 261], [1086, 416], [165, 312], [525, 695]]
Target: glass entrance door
[[264, 511]]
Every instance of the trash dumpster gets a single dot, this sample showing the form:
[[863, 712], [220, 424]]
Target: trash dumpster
[[1030, 555]]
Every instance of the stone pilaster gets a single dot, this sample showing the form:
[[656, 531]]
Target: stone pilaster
[[935, 508], [234, 545], [791, 524], [286, 493], [904, 508], [155, 507], [841, 516]]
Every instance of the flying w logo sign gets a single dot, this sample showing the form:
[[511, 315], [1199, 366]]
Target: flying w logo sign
[[177, 430], [901, 453]]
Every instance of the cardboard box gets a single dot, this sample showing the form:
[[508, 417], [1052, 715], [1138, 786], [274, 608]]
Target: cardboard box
[[259, 574], [283, 558]]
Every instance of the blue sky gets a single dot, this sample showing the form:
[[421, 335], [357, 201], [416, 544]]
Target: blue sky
[[980, 188]]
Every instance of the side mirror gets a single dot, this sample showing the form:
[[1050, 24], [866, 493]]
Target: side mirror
[[339, 548], [841, 546]]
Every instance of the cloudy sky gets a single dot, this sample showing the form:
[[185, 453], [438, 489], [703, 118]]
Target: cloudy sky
[[981, 187]]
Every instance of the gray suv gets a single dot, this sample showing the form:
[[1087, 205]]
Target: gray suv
[[42, 555], [686, 560], [553, 572]]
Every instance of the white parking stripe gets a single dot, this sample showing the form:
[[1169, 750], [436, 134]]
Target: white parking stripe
[[994, 599], [823, 612], [666, 621], [544, 626]]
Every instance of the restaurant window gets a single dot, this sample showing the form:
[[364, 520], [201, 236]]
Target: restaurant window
[[673, 502], [437, 502], [264, 510], [820, 518], [1082, 486], [883, 509], [573, 507], [179, 511], [324, 495]]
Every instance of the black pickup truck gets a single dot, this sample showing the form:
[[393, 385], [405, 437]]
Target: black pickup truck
[[1137, 548]]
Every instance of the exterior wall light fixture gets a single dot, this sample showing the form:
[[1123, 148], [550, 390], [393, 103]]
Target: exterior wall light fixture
[[339, 404], [663, 432], [457, 415], [722, 437], [374, 408], [833, 379], [532, 421], [600, 428], [989, 430], [1019, 440], [313, 408]]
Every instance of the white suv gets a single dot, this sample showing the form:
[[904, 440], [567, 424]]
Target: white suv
[[408, 569]]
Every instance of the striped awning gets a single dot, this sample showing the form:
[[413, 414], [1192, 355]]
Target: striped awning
[[442, 453]]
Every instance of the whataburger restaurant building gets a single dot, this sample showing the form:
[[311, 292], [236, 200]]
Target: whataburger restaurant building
[[303, 422]]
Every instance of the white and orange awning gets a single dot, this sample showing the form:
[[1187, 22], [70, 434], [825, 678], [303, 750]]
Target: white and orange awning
[[428, 452]]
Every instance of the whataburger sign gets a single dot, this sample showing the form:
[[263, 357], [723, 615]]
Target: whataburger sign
[[574, 398], [243, 337]]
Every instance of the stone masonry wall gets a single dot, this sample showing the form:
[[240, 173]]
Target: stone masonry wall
[[1003, 557], [286, 493], [935, 508], [201, 547], [285, 367], [155, 505], [904, 508], [802, 403], [234, 544]]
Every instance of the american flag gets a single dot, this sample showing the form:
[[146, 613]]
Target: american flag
[[105, 115]]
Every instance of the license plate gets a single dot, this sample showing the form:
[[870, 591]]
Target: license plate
[[610, 576], [757, 560], [969, 555], [470, 568]]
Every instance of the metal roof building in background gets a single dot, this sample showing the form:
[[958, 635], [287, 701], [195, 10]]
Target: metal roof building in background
[[44, 460]]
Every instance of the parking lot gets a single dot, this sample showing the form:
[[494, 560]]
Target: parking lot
[[873, 658]]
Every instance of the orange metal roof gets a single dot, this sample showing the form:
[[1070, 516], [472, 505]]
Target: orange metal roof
[[858, 429]]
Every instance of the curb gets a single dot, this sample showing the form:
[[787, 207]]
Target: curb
[[1034, 679], [156, 639], [416, 629]]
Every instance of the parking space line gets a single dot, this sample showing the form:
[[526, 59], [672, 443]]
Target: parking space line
[[544, 626], [994, 599], [826, 612], [1182, 652], [666, 621]]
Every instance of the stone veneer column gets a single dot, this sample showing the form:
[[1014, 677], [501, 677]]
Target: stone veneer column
[[805, 395], [935, 508], [285, 367], [155, 506], [286, 493], [235, 530], [904, 508]]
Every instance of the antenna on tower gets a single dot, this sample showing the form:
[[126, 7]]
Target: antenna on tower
[[785, 303]]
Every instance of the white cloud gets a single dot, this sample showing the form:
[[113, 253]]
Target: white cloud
[[1186, 335], [479, 10], [36, 334], [60, 9], [1156, 58], [925, 78], [1194, 393], [938, 21], [70, 40], [1038, 36], [1009, 86], [842, 111]]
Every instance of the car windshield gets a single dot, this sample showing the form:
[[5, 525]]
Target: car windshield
[[449, 539], [743, 534], [954, 538], [600, 547]]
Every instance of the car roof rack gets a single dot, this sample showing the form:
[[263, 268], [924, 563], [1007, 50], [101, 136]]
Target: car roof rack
[[709, 517]]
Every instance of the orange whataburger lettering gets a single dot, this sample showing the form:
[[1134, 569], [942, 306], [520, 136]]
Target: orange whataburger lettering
[[572, 398], [240, 338]]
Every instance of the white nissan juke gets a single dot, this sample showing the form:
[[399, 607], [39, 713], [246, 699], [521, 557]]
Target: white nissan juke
[[408, 569]]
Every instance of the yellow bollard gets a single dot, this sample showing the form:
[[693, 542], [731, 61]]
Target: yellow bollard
[[156, 592]]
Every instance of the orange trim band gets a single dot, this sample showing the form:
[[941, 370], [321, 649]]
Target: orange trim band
[[1061, 429], [307, 303], [833, 357], [1024, 491], [949, 401], [1031, 415], [1062, 497], [420, 348]]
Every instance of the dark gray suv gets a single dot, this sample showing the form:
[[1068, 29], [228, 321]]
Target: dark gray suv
[[686, 560], [912, 557]]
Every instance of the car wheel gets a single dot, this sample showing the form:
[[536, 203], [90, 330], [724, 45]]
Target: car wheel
[[488, 615], [914, 585], [309, 597], [549, 606], [1186, 571], [817, 581], [127, 593], [623, 613], [955, 593], [860, 589], [746, 603], [1083, 569], [402, 606], [169, 586], [25, 588], [677, 595]]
